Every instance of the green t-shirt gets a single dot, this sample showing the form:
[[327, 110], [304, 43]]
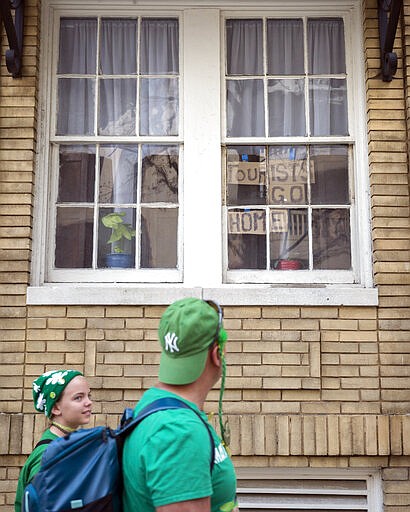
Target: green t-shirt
[[167, 459], [30, 468]]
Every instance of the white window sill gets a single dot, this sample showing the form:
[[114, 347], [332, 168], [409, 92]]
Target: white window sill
[[227, 295]]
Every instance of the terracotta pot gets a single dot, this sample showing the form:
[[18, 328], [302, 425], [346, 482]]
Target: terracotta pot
[[289, 265]]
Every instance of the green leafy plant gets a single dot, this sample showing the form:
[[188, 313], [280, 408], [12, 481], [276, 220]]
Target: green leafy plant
[[120, 230]]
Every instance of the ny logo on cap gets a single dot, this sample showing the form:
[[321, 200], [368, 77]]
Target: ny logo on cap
[[171, 342]]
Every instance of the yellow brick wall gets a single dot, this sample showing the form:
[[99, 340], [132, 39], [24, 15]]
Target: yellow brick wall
[[306, 387]]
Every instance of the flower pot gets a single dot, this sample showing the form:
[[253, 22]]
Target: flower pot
[[289, 265], [119, 260]]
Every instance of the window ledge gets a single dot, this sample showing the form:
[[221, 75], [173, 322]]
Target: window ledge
[[228, 295]]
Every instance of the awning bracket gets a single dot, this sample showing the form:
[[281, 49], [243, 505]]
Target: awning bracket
[[14, 31]]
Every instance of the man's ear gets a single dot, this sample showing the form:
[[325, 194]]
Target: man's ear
[[215, 355]]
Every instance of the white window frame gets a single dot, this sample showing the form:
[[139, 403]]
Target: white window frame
[[202, 93]]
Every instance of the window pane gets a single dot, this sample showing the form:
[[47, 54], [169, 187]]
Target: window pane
[[159, 230], [75, 114], [116, 237], [326, 47], [286, 108], [74, 238], [159, 174], [328, 106], [159, 105], [244, 47], [246, 239], [246, 175], [285, 47], [330, 175], [331, 239], [289, 242], [78, 45], [245, 108], [118, 174], [117, 107], [76, 174], [159, 46], [287, 175], [118, 39]]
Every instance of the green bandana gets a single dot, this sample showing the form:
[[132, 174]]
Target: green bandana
[[48, 387]]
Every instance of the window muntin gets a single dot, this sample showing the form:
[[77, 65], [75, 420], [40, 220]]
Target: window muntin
[[116, 78], [288, 202]]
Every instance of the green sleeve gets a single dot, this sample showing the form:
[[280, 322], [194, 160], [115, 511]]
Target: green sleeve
[[30, 468]]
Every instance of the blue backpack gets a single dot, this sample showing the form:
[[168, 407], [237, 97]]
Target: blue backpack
[[82, 471]]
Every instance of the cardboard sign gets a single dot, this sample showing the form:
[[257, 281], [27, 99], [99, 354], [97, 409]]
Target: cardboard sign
[[290, 171], [246, 173], [253, 222], [286, 193]]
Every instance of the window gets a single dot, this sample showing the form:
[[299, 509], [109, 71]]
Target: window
[[205, 148], [116, 146], [289, 203]]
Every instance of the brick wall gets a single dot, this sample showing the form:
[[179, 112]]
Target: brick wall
[[306, 387]]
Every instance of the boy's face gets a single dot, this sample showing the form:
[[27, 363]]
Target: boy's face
[[74, 406]]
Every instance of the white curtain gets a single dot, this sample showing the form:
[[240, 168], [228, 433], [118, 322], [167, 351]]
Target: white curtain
[[117, 88], [286, 109]]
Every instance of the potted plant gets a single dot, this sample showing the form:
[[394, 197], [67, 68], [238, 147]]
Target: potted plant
[[120, 232], [285, 261]]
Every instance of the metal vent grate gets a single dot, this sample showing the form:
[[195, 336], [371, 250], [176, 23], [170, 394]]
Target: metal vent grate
[[302, 493]]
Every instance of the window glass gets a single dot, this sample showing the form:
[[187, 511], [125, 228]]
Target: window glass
[[78, 46], [285, 47], [288, 202], [244, 47], [245, 108], [74, 237], [118, 39], [159, 106], [159, 46], [117, 107], [75, 115], [286, 107], [326, 47], [288, 178], [109, 192]]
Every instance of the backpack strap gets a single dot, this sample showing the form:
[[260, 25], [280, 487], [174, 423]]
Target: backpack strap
[[43, 441], [163, 404]]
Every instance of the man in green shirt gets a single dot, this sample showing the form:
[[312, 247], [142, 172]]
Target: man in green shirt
[[169, 461]]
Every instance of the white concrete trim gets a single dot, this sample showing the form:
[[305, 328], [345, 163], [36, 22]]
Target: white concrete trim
[[227, 295]]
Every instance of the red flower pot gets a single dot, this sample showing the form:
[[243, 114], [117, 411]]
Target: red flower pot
[[289, 265]]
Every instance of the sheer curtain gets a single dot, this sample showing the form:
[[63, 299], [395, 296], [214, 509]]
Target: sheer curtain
[[286, 109], [114, 76], [78, 50], [327, 96]]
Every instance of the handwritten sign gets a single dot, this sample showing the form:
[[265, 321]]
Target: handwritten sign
[[287, 194], [253, 222], [246, 173], [291, 171]]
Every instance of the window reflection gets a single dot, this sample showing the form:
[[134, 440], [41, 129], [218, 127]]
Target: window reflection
[[74, 237], [159, 174], [159, 230]]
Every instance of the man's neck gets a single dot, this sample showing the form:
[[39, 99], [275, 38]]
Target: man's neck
[[191, 392]]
